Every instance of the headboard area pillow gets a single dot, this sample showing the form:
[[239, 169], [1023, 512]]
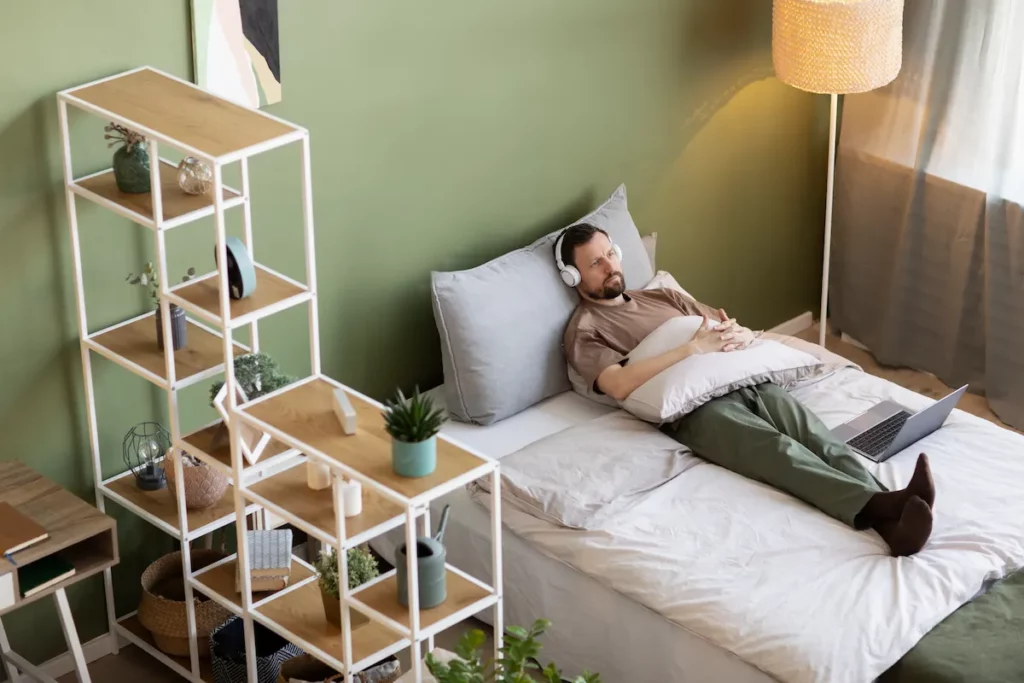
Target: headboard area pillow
[[501, 323]]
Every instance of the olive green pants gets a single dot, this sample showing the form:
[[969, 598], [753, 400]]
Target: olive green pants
[[765, 434]]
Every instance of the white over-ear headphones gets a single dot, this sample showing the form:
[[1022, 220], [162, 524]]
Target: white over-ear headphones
[[570, 274]]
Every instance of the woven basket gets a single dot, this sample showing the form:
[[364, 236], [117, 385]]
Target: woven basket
[[204, 486], [167, 618]]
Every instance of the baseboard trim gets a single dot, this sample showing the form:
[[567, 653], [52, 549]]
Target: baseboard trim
[[95, 649], [794, 325]]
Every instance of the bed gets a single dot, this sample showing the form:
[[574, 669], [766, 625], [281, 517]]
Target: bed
[[706, 576]]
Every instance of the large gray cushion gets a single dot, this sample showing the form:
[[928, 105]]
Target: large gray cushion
[[501, 323]]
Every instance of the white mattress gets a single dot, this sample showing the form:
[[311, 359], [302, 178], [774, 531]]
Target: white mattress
[[593, 626]]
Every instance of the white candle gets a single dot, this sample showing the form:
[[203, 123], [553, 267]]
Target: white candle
[[353, 492], [318, 475]]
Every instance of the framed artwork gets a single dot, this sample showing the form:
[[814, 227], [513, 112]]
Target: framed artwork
[[236, 51]]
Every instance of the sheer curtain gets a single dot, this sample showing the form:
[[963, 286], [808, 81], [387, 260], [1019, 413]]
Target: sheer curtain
[[929, 226]]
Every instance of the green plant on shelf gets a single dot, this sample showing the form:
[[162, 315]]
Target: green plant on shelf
[[149, 279], [362, 566], [257, 374], [412, 419], [518, 663]]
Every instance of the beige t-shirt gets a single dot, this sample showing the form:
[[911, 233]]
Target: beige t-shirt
[[600, 336]]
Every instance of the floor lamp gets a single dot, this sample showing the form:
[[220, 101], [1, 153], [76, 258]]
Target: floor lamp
[[836, 47]]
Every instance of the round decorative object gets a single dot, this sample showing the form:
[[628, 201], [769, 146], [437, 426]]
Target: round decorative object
[[194, 177], [241, 272], [141, 449], [204, 486], [131, 168]]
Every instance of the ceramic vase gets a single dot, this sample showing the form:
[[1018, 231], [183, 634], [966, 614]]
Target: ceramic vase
[[179, 328], [131, 169], [417, 459]]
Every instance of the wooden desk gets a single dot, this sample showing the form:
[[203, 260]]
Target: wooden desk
[[78, 532]]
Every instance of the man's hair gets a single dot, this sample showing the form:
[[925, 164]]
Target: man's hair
[[574, 236]]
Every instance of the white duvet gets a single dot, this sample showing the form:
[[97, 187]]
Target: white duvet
[[789, 590]]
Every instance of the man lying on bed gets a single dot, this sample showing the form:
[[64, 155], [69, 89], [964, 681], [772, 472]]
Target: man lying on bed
[[761, 432]]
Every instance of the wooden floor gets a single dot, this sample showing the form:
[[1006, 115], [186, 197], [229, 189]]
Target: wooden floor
[[921, 382]]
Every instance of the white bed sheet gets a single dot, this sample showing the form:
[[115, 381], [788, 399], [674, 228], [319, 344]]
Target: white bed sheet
[[594, 626]]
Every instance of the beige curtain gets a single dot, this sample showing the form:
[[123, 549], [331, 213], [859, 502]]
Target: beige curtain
[[929, 229]]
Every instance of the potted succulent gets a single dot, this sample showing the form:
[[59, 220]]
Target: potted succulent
[[362, 567], [518, 663], [131, 160], [413, 424], [149, 278]]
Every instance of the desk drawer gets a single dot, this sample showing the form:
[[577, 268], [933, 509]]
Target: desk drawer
[[6, 590]]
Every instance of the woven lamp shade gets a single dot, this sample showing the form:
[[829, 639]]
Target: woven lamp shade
[[837, 46]]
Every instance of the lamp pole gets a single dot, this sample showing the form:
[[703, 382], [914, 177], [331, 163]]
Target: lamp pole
[[833, 114]]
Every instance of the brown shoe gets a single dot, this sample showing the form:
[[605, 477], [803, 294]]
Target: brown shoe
[[910, 533]]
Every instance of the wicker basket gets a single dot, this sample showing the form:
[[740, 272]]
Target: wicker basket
[[204, 486], [165, 617]]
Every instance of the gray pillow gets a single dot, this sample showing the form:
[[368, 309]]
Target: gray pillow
[[501, 323]]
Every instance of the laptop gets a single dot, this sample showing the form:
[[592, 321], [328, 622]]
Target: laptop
[[888, 427]]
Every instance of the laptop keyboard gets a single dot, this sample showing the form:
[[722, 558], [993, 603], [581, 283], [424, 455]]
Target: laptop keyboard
[[874, 441]]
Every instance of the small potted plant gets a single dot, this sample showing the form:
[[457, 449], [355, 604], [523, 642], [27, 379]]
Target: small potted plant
[[131, 160], [518, 663], [413, 424], [362, 567], [149, 278], [256, 374]]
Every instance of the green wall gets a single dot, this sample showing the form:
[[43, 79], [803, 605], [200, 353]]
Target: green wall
[[443, 134]]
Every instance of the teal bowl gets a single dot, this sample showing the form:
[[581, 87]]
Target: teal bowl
[[414, 459]]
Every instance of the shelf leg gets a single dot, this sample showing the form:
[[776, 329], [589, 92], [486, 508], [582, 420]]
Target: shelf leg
[[243, 164], [67, 624], [346, 616], [428, 533], [413, 592], [5, 647], [83, 332], [241, 520], [496, 573], [307, 222]]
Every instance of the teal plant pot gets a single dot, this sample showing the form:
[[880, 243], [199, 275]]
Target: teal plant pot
[[131, 169], [414, 459]]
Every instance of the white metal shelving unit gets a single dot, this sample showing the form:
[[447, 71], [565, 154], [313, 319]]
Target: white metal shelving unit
[[299, 417]]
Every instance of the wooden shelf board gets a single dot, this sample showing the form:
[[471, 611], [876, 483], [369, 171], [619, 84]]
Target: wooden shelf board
[[175, 202], [301, 612], [270, 290], [162, 504], [221, 580], [203, 440], [305, 413], [383, 597], [288, 490], [207, 123], [136, 342], [132, 625]]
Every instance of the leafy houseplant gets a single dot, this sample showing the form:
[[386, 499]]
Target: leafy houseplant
[[413, 424], [149, 279], [518, 663], [131, 160], [362, 567], [257, 374]]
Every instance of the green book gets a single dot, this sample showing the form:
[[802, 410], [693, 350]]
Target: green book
[[43, 573]]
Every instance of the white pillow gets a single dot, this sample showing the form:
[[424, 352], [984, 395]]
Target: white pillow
[[694, 381], [661, 280]]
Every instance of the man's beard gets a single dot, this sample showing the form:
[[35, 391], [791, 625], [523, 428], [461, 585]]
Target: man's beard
[[612, 288]]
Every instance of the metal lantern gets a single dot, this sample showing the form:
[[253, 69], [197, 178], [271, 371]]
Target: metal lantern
[[194, 177], [142, 448]]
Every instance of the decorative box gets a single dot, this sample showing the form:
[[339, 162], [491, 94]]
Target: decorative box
[[270, 560]]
